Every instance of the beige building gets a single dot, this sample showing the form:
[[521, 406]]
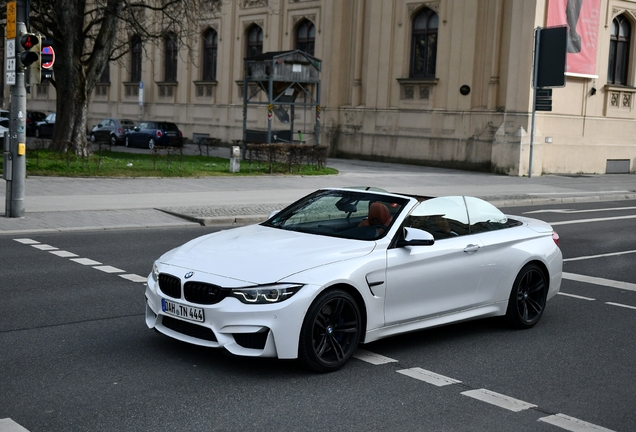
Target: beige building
[[443, 82]]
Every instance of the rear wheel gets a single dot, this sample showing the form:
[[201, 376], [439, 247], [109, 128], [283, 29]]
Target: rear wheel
[[151, 143], [330, 332], [126, 142], [113, 140], [37, 133], [528, 297], [93, 138]]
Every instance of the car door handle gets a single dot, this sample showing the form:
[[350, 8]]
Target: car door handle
[[471, 248]]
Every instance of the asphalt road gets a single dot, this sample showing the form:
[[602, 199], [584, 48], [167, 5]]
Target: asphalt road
[[76, 354]]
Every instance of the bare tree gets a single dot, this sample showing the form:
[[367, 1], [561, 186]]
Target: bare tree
[[88, 34]]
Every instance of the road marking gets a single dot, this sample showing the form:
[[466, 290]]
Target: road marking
[[600, 281], [621, 305], [581, 192], [578, 221], [26, 241], [572, 424], [109, 269], [428, 376], [86, 261], [576, 296], [571, 211], [369, 357], [599, 256], [499, 400], [133, 277], [63, 254], [44, 247], [8, 425]]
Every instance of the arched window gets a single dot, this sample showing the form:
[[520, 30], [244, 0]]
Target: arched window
[[135, 59], [424, 44], [306, 37], [170, 65], [210, 48], [254, 41], [619, 49]]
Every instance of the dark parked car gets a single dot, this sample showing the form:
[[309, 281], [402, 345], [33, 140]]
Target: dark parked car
[[44, 128], [112, 130], [31, 120], [154, 133]]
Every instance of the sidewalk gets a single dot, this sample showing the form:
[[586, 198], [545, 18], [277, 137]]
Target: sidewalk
[[63, 204]]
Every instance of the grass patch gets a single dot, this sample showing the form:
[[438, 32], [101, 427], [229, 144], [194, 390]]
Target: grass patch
[[163, 162]]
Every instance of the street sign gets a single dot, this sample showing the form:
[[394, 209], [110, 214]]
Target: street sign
[[48, 50], [11, 12]]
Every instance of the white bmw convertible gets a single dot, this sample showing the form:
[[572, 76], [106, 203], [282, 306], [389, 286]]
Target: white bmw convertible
[[341, 267]]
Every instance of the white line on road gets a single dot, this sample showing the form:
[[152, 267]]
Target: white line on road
[[369, 357], [600, 281], [109, 269], [44, 247], [63, 254], [599, 256], [86, 261], [26, 241], [8, 425], [579, 221], [576, 296], [621, 305], [571, 211], [133, 277], [428, 376], [499, 400], [572, 424]]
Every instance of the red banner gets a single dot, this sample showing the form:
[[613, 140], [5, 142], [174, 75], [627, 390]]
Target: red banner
[[582, 18]]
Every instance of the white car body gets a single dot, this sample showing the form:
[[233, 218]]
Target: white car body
[[397, 288]]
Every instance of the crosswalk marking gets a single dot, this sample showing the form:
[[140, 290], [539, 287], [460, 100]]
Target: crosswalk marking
[[373, 358], [572, 424], [428, 376]]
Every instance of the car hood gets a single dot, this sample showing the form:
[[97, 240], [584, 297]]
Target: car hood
[[258, 254]]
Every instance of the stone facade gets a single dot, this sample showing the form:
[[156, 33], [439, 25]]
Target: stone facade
[[371, 106]]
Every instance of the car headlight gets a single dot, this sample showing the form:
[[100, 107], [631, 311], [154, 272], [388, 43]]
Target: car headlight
[[265, 294], [155, 272]]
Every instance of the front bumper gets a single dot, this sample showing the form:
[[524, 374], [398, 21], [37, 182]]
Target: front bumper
[[271, 330]]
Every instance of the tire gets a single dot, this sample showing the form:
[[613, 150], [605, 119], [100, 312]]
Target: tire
[[126, 143], [151, 143], [113, 140], [37, 133], [93, 139], [330, 332], [528, 297]]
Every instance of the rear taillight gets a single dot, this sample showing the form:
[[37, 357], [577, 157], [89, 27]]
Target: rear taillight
[[120, 131], [555, 237], [159, 134], [180, 134]]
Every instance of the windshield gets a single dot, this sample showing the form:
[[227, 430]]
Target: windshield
[[340, 213]]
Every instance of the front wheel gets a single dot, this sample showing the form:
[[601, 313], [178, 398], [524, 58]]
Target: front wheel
[[330, 332], [528, 297], [126, 142], [93, 139], [113, 140]]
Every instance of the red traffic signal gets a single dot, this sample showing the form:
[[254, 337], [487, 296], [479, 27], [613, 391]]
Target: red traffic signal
[[29, 40]]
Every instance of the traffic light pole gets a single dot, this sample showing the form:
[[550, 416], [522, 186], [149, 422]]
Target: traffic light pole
[[17, 134]]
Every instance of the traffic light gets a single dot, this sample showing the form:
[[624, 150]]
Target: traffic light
[[31, 56]]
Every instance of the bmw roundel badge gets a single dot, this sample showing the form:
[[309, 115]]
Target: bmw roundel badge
[[188, 275]]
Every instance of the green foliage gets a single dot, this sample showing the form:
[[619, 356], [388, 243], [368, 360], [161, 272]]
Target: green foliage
[[159, 163]]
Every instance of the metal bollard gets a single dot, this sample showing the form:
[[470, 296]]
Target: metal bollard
[[235, 159]]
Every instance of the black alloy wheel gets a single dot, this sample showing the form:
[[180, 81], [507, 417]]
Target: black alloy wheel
[[330, 332], [528, 297]]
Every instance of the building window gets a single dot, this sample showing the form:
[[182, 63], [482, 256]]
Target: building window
[[135, 59], [424, 44], [254, 41], [306, 37], [619, 47], [170, 60], [210, 47], [105, 77]]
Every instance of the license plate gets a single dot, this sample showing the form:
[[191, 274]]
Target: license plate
[[182, 311]]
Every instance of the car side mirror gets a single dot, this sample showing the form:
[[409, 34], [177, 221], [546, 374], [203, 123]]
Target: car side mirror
[[136, 129], [416, 237]]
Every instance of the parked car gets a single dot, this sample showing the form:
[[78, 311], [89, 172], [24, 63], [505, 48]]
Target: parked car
[[154, 133], [346, 266], [31, 120], [44, 128], [4, 127], [112, 130]]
